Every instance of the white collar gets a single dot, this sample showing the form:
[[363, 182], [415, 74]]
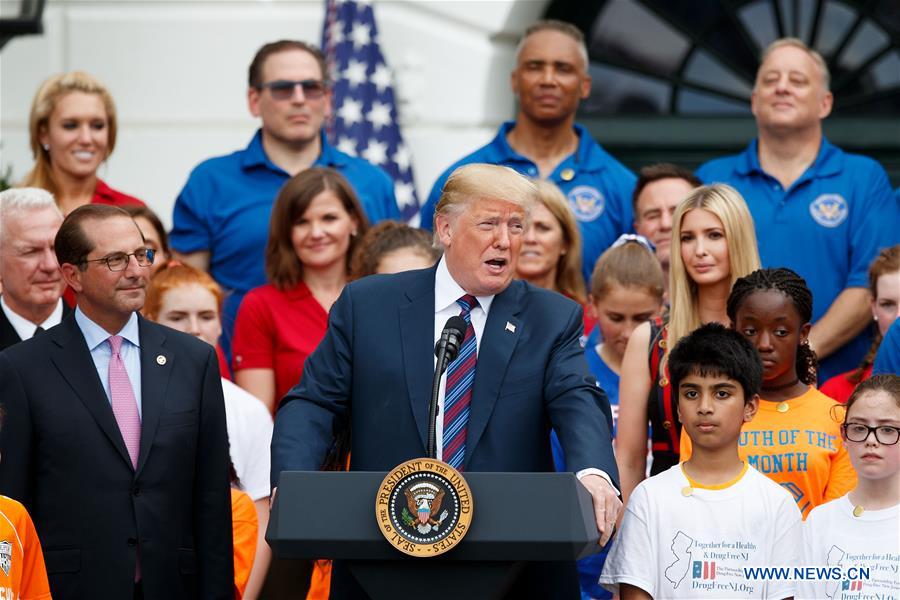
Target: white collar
[[447, 291], [94, 335], [24, 328]]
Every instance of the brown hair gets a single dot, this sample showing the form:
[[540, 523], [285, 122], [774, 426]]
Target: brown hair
[[254, 73], [174, 276], [569, 279], [385, 238], [655, 172], [72, 243], [887, 261], [629, 265], [889, 383], [42, 107], [283, 266], [136, 210]]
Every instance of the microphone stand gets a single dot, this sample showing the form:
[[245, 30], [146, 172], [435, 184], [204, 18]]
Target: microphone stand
[[439, 369]]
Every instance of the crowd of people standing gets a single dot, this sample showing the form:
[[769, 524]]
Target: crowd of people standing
[[278, 251]]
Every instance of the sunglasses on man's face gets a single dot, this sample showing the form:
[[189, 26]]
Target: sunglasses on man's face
[[283, 89]]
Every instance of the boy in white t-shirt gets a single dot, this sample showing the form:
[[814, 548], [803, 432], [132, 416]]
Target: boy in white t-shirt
[[689, 531]]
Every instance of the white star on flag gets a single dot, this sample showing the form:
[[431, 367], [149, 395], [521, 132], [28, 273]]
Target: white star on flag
[[347, 146], [337, 33], [404, 194], [360, 35], [355, 73], [401, 157], [379, 116], [351, 111], [381, 77], [375, 152]]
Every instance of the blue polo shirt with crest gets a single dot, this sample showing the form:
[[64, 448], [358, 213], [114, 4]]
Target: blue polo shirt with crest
[[224, 208], [597, 186], [827, 226]]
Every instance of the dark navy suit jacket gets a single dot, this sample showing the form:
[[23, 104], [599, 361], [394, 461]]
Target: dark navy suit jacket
[[65, 459], [374, 370]]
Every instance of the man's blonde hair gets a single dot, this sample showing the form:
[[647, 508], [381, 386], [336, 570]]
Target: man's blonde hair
[[798, 43], [479, 180]]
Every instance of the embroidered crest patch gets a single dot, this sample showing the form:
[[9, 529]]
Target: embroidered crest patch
[[829, 210], [587, 202]]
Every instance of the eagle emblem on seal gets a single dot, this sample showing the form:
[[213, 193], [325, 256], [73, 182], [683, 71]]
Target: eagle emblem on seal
[[423, 500]]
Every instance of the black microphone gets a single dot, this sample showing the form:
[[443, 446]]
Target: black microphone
[[446, 349]]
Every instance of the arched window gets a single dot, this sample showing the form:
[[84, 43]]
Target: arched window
[[689, 57]]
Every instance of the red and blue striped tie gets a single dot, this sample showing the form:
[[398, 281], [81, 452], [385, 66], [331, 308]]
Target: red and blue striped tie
[[458, 396]]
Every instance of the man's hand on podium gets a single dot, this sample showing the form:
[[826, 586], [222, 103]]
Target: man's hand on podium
[[607, 505]]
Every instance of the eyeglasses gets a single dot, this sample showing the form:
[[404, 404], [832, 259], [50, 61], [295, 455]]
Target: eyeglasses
[[283, 89], [884, 434], [119, 260]]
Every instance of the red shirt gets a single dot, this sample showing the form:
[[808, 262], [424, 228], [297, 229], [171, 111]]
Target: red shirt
[[103, 194], [839, 388], [277, 330]]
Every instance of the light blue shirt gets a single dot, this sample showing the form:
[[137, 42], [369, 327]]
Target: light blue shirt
[[96, 338]]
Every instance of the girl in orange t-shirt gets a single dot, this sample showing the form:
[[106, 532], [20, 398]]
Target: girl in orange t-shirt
[[792, 439]]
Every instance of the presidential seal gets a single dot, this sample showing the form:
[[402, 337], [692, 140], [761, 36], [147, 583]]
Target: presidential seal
[[424, 507]]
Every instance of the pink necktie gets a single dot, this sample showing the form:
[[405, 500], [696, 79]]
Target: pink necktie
[[124, 404]]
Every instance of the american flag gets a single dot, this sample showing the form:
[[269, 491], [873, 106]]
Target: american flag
[[365, 114]]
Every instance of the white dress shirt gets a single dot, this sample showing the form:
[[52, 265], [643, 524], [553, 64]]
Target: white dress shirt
[[24, 328], [446, 293]]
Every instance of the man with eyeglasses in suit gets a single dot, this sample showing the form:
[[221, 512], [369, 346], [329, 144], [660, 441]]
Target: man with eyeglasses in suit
[[115, 437], [221, 217]]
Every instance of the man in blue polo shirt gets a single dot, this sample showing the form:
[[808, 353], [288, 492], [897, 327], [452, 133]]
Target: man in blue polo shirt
[[221, 217], [550, 80], [820, 211]]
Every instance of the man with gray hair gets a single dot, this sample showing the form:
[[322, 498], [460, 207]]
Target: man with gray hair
[[817, 210], [520, 369], [550, 80], [31, 299]]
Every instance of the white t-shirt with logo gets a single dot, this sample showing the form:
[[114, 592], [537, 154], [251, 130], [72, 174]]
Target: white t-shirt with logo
[[834, 537], [673, 545]]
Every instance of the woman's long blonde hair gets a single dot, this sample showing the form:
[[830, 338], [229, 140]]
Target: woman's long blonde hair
[[569, 279], [743, 256], [43, 105]]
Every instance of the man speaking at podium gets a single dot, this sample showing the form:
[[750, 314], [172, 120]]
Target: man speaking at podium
[[520, 369]]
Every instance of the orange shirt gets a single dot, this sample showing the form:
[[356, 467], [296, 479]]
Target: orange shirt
[[801, 449], [244, 528], [23, 575]]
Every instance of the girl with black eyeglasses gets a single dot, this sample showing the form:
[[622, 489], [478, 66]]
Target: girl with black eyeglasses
[[861, 530]]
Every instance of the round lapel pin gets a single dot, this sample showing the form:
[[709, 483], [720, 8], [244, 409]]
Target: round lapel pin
[[160, 360]]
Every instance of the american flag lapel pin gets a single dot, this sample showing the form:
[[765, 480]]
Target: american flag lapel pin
[[510, 327]]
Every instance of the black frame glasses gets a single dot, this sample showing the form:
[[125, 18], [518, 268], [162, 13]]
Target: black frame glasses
[[119, 261], [854, 433], [283, 89]]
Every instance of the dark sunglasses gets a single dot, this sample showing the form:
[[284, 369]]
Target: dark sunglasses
[[283, 89]]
